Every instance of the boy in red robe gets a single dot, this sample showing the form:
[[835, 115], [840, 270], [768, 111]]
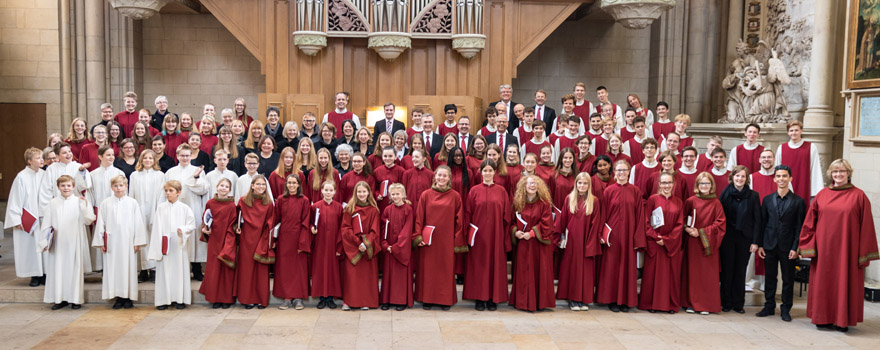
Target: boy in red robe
[[719, 171], [643, 170], [803, 158], [747, 154]]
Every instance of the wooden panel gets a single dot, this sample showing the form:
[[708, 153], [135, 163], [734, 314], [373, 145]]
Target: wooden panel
[[535, 22], [292, 106], [467, 105], [18, 133], [245, 20]]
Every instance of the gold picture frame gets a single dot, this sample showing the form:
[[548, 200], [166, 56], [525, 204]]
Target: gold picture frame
[[866, 118], [863, 56]]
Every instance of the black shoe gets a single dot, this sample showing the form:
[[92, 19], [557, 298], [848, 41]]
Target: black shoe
[[384, 307], [767, 311], [322, 304], [249, 306], [35, 282], [400, 307], [613, 308], [426, 306], [261, 306], [215, 306], [330, 303], [652, 311], [43, 280], [491, 305], [226, 305], [59, 306], [825, 326], [162, 307], [144, 276], [127, 304], [459, 280], [197, 271], [480, 305], [624, 308], [785, 316], [725, 309], [739, 311], [445, 307], [180, 306], [75, 306], [118, 304], [841, 329], [152, 275]]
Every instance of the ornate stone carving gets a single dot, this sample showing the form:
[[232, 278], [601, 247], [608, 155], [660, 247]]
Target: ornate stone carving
[[468, 45], [636, 14], [437, 19], [755, 90], [790, 33], [389, 45], [309, 42], [342, 18], [138, 9]]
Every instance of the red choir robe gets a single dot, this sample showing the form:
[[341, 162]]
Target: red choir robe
[[635, 150], [375, 161], [525, 136], [326, 249], [680, 190], [577, 272], [701, 268], [360, 271], [89, 154], [443, 129], [473, 164], [564, 142], [416, 181], [584, 111], [749, 158], [545, 171], [393, 175], [690, 180], [458, 186], [531, 147], [277, 184], [219, 281], [661, 129], [337, 119], [533, 271], [171, 143], [346, 186], [685, 141], [560, 187], [626, 135], [763, 184], [585, 165], [410, 132], [77, 146], [661, 276], [316, 195], [600, 146], [292, 247], [435, 282], [799, 161], [617, 157], [641, 174], [397, 274], [617, 268], [208, 143], [255, 242], [486, 132], [127, 120], [704, 163], [838, 234], [721, 181], [487, 209]]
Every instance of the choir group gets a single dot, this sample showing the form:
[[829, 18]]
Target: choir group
[[584, 204]]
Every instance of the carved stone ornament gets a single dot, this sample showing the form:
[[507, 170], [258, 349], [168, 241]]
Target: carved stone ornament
[[468, 45], [310, 42], [636, 14], [138, 9], [389, 45]]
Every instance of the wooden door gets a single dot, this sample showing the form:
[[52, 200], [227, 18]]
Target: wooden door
[[22, 125]]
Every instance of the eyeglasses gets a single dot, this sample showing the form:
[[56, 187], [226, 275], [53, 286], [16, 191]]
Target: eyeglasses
[[705, 184], [620, 170], [666, 182]]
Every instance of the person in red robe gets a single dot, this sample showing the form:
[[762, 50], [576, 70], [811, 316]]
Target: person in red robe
[[462, 180], [397, 228], [667, 161], [217, 286], [641, 172], [511, 162], [661, 276], [580, 224], [255, 245], [128, 117], [360, 171], [803, 159], [383, 141], [326, 218], [438, 236], [747, 154], [487, 214], [320, 174], [719, 170], [78, 137], [360, 242], [386, 175], [614, 149], [762, 178], [705, 227], [172, 135], [633, 146], [418, 178], [586, 160], [838, 235], [278, 177], [293, 245], [534, 239], [618, 273], [560, 186]]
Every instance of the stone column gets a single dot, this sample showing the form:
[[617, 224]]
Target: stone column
[[734, 28], [702, 34], [819, 110], [96, 92]]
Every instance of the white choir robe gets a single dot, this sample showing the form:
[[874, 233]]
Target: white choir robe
[[121, 219], [100, 191], [244, 185], [173, 269], [214, 178], [49, 189], [68, 257], [192, 192], [25, 194], [146, 188]]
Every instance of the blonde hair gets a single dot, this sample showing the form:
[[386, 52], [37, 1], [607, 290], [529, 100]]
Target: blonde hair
[[213, 124], [71, 135], [794, 123], [64, 179], [574, 195], [704, 175], [501, 167], [352, 203], [398, 186], [31, 152], [519, 197], [683, 117], [172, 184], [248, 199], [117, 179], [616, 136], [443, 156], [140, 163], [298, 159], [280, 169], [326, 174], [250, 141], [837, 163]]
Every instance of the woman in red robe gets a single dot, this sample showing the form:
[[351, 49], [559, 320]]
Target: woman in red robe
[[603, 176], [838, 235], [327, 246], [78, 137], [560, 186], [586, 160], [503, 175], [530, 165], [255, 245], [476, 153], [360, 241], [511, 161], [667, 161], [278, 177], [487, 214], [386, 174], [217, 287], [700, 283], [321, 173], [360, 171], [462, 180], [438, 236], [545, 168], [293, 245], [418, 178], [661, 276], [172, 135], [581, 223], [618, 273], [534, 240], [397, 226]]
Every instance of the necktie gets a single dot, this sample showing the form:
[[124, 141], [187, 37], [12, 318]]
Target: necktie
[[428, 142], [501, 141], [539, 113], [388, 125], [462, 144]]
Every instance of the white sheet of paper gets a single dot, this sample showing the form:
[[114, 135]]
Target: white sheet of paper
[[657, 217]]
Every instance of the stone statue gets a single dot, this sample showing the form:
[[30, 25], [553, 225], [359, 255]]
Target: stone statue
[[754, 85]]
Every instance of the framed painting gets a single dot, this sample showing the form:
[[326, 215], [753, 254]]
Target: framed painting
[[866, 118], [863, 45]]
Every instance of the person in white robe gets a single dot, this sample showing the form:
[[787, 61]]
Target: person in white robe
[[194, 187], [174, 220], [24, 198], [243, 185], [63, 234], [120, 223], [64, 165], [221, 159], [146, 189], [100, 191]]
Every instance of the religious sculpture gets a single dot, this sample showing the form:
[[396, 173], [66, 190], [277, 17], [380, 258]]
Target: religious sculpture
[[755, 87]]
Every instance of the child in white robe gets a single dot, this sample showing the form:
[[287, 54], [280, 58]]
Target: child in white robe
[[24, 197], [243, 185], [175, 222], [100, 191], [146, 189], [194, 186]]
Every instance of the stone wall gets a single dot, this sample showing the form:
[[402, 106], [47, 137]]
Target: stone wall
[[29, 56], [193, 60], [593, 50]]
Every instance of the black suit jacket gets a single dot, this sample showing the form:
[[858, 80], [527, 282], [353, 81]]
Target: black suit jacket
[[782, 231], [513, 121], [549, 118], [379, 128], [436, 143], [508, 140]]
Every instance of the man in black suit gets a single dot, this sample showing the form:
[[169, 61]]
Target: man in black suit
[[433, 140], [388, 123], [464, 133], [502, 138], [783, 216], [543, 112], [506, 92]]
